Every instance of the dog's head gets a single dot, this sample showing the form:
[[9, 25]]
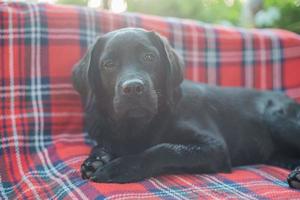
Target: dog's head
[[130, 73]]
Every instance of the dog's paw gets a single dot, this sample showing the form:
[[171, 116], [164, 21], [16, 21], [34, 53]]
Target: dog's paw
[[93, 162], [294, 178], [121, 170]]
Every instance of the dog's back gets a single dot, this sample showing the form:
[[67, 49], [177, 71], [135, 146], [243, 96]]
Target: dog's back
[[250, 121]]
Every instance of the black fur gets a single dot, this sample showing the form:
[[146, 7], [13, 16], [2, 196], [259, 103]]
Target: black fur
[[147, 121]]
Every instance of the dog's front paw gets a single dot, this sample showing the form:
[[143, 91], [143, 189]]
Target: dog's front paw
[[93, 162], [121, 170], [294, 178]]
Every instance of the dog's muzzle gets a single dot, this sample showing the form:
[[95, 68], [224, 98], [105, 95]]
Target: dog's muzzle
[[134, 98]]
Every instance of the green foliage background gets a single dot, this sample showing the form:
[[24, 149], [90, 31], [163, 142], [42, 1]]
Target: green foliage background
[[73, 2], [211, 11], [290, 14]]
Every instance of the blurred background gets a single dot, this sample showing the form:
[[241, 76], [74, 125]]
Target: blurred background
[[245, 13]]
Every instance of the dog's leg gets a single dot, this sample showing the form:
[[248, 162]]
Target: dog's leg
[[202, 158], [284, 123], [97, 158]]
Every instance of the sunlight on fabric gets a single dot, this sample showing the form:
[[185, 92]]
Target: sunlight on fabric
[[47, 1], [118, 6], [94, 3]]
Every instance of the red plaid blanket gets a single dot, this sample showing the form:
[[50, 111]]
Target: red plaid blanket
[[42, 141]]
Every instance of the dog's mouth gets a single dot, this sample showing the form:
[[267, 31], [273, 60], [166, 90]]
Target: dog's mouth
[[135, 112], [142, 108]]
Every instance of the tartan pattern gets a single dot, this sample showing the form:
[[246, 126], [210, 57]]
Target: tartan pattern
[[42, 141]]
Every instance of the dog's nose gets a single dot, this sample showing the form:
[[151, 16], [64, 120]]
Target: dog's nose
[[133, 87]]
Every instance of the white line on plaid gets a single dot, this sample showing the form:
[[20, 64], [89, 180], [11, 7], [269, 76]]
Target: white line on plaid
[[43, 31], [207, 188], [74, 32], [45, 173], [65, 37], [61, 192], [227, 187], [228, 56], [263, 58], [72, 135], [163, 188], [211, 54], [138, 195], [276, 56], [248, 58], [44, 195], [178, 37], [52, 185], [131, 20], [269, 177], [12, 106], [195, 187], [88, 28], [42, 86], [195, 54], [52, 93], [38, 114], [46, 143], [232, 56], [37, 101]]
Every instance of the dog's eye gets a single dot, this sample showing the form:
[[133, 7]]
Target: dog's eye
[[109, 64], [149, 57]]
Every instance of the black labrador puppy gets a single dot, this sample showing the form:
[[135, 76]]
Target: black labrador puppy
[[147, 120]]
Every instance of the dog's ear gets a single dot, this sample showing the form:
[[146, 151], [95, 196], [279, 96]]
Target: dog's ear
[[174, 66], [174, 62], [83, 69]]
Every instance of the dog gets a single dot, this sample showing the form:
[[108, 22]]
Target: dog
[[147, 120]]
